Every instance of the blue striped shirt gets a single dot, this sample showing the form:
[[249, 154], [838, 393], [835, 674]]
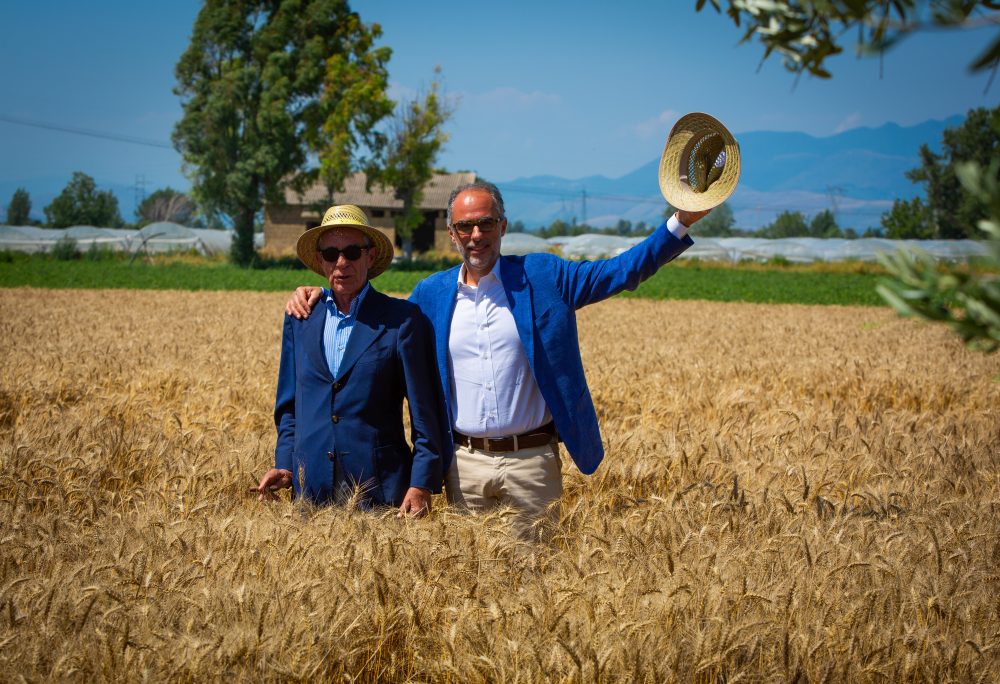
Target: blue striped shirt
[[337, 330]]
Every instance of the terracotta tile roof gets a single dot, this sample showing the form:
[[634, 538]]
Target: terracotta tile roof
[[435, 192]]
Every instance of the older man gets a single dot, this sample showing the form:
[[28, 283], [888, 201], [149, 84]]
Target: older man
[[508, 353], [344, 372]]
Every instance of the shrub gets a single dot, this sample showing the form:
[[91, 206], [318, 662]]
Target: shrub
[[66, 249]]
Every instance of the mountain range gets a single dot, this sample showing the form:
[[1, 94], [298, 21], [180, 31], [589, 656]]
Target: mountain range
[[857, 173]]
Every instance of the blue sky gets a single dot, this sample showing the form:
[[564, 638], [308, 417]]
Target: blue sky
[[563, 88]]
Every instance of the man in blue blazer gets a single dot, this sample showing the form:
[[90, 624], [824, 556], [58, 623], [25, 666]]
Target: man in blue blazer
[[508, 354], [343, 375]]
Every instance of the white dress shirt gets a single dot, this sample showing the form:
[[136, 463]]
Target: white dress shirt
[[494, 393]]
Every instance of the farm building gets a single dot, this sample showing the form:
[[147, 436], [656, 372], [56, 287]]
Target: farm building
[[284, 223]]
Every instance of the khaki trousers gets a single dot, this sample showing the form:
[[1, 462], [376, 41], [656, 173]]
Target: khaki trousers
[[528, 480]]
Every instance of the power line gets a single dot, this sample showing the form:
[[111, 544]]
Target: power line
[[87, 132]]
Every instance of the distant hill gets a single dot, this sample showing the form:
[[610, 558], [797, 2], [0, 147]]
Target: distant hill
[[858, 173]]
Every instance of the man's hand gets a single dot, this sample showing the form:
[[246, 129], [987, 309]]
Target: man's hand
[[273, 479], [688, 218], [416, 503], [302, 301]]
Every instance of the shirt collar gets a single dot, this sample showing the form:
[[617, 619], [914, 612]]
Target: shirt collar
[[331, 303], [495, 272]]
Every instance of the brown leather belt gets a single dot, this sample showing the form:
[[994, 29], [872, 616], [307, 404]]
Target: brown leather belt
[[536, 438]]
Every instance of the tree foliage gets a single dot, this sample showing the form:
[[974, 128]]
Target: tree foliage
[[824, 225], [968, 302], [82, 204], [719, 223], [908, 220], [952, 211], [19, 209], [263, 85], [416, 136], [166, 204], [786, 224], [807, 32]]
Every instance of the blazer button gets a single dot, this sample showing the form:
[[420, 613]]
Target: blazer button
[[330, 455], [337, 385], [335, 418]]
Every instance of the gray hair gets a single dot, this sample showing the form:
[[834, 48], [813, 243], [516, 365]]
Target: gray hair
[[483, 185]]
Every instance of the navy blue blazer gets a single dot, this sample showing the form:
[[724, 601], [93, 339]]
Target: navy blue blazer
[[544, 292], [356, 419]]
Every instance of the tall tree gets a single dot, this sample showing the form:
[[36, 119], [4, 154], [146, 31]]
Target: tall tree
[[786, 224], [19, 209], [416, 136], [81, 203], [952, 211], [824, 225], [908, 220], [264, 84], [806, 32], [166, 204]]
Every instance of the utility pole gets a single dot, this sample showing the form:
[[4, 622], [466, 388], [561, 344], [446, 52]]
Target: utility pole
[[835, 191], [583, 200]]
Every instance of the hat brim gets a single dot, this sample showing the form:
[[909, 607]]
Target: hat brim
[[306, 248], [686, 133]]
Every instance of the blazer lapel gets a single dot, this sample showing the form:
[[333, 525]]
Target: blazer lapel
[[312, 338], [515, 285], [367, 329]]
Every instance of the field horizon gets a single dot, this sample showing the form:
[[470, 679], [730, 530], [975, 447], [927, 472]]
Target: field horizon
[[790, 492]]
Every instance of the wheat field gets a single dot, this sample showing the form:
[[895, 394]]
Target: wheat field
[[790, 493]]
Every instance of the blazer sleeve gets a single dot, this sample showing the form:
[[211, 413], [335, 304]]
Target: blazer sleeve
[[430, 432], [586, 282], [284, 403]]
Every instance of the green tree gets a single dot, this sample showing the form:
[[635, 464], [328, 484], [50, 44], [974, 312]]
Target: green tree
[[968, 302], [786, 224], [719, 223], [19, 209], [516, 227], [266, 84], [953, 212], [557, 228], [908, 220], [824, 225], [416, 136], [166, 204], [81, 203], [806, 32]]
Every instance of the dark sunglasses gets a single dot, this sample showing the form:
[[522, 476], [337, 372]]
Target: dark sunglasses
[[351, 253], [487, 224]]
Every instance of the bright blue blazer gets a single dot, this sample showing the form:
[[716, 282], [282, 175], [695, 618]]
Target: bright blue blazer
[[544, 292], [356, 419]]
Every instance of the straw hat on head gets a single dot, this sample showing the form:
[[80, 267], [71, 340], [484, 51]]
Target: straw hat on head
[[700, 166], [344, 216]]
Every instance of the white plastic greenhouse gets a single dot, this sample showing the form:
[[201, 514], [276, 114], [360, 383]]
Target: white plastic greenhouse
[[154, 238], [172, 237]]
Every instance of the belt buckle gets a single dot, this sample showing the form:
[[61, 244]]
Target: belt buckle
[[488, 442]]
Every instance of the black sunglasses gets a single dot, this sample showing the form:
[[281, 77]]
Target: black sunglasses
[[351, 253], [487, 224]]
